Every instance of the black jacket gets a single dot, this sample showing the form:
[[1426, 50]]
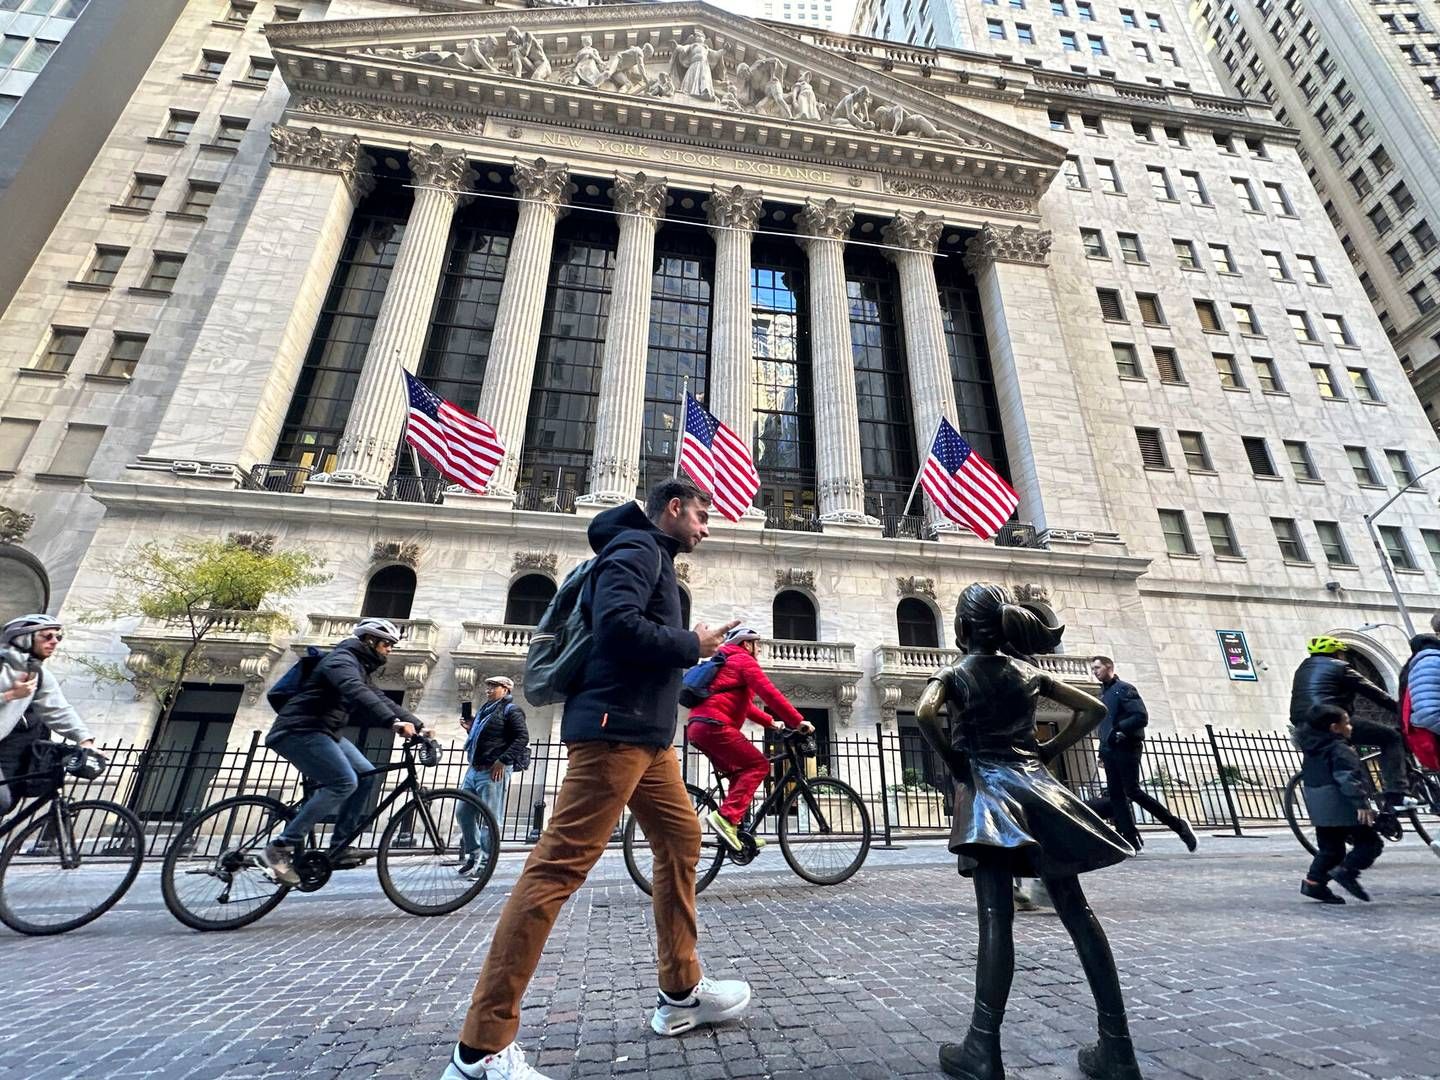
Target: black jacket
[[504, 736], [338, 690], [1123, 729], [1333, 776], [1326, 680], [630, 686]]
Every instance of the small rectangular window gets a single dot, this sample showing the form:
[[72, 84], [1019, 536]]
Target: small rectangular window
[[1168, 364], [105, 265], [1209, 318], [1151, 314], [1222, 536], [1310, 270], [1424, 237], [60, 351], [1361, 382], [1160, 182], [1266, 375], [211, 63], [1275, 264], [1090, 122], [1069, 41], [1338, 329], [1152, 450], [77, 451], [199, 198], [1301, 465], [1175, 136], [1393, 537], [1287, 536], [1228, 370], [1185, 255], [1359, 459], [1194, 189], [1197, 454], [1074, 174], [1279, 200], [239, 13], [287, 14], [1245, 320], [1380, 220], [1300, 323], [1111, 309], [1400, 467], [1127, 362], [1258, 454], [1432, 545], [15, 438], [1176, 532], [1094, 243], [1059, 120], [124, 354], [996, 29], [1143, 131], [1400, 257], [1097, 45], [1109, 176], [1245, 192], [180, 125], [261, 68], [1325, 382], [1130, 249], [144, 190], [230, 131], [1332, 543], [164, 269]]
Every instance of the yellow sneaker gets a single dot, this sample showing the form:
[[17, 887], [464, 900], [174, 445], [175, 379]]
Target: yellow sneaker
[[726, 831]]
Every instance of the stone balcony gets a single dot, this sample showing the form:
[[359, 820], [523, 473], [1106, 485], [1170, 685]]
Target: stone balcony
[[488, 649], [901, 672], [410, 662], [231, 648], [813, 673]]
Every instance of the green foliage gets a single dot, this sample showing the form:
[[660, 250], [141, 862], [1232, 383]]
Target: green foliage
[[911, 780], [1231, 774]]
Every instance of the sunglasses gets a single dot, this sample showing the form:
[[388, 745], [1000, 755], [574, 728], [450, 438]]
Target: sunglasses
[[50, 635]]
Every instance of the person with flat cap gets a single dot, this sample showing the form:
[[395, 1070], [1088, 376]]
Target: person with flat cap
[[496, 742]]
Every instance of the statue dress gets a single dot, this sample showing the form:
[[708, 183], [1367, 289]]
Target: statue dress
[[694, 59], [589, 67]]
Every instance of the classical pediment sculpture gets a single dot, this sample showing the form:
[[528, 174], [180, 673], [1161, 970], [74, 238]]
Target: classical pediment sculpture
[[692, 67], [526, 56]]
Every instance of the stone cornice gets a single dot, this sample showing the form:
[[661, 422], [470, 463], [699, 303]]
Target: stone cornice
[[735, 208], [918, 231], [1017, 245], [255, 508]]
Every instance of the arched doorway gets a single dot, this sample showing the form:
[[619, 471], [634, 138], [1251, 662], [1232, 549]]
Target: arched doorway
[[527, 600], [390, 593], [793, 617], [916, 623]]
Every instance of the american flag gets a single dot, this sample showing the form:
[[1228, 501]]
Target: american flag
[[964, 486], [463, 447], [718, 460]]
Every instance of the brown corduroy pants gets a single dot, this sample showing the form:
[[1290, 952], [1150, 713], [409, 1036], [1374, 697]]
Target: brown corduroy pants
[[602, 779]]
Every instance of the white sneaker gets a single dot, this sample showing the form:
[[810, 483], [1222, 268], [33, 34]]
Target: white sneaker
[[712, 1001], [508, 1064]]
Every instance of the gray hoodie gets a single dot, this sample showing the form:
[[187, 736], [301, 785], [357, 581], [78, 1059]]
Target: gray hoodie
[[47, 704]]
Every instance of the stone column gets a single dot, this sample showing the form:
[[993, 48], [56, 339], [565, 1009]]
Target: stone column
[[732, 216], [615, 460], [932, 390], [1040, 401], [839, 480], [232, 396], [510, 370], [367, 449]]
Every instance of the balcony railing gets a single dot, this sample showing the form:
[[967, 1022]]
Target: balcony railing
[[784, 518], [907, 527], [1018, 534], [277, 476], [913, 661], [415, 489], [546, 500], [415, 634], [495, 638], [813, 656]]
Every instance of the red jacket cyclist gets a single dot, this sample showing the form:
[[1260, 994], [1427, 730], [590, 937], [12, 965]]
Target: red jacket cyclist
[[716, 722]]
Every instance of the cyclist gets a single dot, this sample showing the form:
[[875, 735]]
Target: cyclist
[[1326, 677], [307, 734], [31, 704], [715, 724]]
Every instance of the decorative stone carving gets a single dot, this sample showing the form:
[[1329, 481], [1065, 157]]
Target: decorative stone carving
[[853, 110], [525, 56], [436, 166], [803, 103], [682, 572], [759, 87], [320, 150], [825, 221], [14, 526], [394, 115], [547, 562], [396, 551], [541, 181], [1028, 593], [692, 67], [260, 543], [626, 71], [897, 120], [795, 579], [985, 200], [915, 586], [918, 231], [589, 65], [640, 195], [738, 208], [1017, 245]]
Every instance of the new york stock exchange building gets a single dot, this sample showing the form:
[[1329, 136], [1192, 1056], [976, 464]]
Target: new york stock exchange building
[[557, 216]]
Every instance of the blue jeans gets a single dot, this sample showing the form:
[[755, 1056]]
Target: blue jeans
[[332, 766], [492, 794]]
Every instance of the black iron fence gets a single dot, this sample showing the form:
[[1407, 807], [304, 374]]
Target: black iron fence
[[1231, 780]]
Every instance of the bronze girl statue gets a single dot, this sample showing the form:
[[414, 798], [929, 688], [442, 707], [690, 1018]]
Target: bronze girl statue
[[1012, 818]]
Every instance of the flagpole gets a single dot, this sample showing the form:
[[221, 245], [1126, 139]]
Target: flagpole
[[929, 448], [414, 457], [684, 412]]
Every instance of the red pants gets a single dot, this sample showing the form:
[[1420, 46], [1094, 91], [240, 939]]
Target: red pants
[[736, 759]]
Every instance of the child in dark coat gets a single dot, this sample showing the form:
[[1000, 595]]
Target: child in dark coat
[[1339, 803]]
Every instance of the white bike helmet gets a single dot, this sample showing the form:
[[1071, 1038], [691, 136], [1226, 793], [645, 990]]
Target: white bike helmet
[[742, 633], [383, 629], [20, 632]]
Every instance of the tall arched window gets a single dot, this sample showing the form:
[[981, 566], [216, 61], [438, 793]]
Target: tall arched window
[[390, 593], [916, 623], [794, 617], [528, 598]]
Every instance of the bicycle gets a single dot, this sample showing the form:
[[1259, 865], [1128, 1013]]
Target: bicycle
[[1422, 784], [76, 857], [212, 879], [824, 827]]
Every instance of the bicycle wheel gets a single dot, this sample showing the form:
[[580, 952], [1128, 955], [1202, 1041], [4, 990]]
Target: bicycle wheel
[[640, 860], [70, 865], [1297, 814], [211, 878], [825, 831], [421, 876]]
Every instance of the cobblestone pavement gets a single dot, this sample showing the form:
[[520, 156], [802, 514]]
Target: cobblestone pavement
[[1230, 976]]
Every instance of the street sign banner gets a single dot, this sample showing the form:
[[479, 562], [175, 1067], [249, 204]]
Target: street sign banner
[[1237, 656]]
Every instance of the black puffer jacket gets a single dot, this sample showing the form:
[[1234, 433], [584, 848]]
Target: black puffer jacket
[[630, 687], [1326, 680], [1123, 729], [337, 690]]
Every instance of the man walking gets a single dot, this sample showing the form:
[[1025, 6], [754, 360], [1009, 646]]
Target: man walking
[[495, 744], [1122, 740], [618, 727]]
